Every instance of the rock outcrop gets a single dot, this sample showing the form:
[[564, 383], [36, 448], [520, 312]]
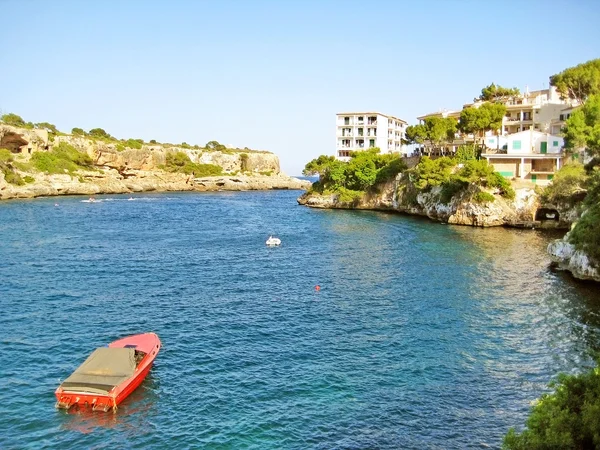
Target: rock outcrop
[[400, 195], [118, 169], [566, 257]]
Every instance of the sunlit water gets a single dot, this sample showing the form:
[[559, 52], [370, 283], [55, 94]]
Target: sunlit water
[[423, 335]]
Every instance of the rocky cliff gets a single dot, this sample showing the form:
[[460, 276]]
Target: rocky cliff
[[400, 195], [119, 169], [566, 257]]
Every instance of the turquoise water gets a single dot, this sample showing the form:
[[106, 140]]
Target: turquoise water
[[423, 335]]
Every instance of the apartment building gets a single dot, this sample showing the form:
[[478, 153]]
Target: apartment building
[[541, 110], [357, 131]]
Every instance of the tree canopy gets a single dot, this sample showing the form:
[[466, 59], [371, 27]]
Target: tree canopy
[[488, 117], [582, 129], [364, 170], [436, 131], [565, 419], [215, 146], [13, 119], [496, 93], [99, 133], [579, 82]]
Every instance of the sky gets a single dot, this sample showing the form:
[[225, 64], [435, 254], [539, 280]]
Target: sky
[[272, 74]]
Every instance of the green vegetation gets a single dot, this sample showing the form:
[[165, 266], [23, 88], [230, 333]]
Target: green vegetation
[[365, 170], [564, 419], [15, 121], [64, 158], [78, 132], [8, 169], [569, 185], [214, 146], [181, 163], [483, 197], [488, 117], [99, 133], [435, 131], [244, 162], [352, 179], [46, 126], [579, 82], [467, 152], [443, 172], [585, 235], [494, 93], [582, 129]]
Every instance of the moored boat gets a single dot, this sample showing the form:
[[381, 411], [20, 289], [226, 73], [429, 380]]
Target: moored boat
[[273, 241], [109, 374]]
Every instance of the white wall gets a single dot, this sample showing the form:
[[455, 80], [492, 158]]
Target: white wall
[[531, 142]]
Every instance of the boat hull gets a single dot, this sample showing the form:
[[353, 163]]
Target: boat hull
[[149, 343]]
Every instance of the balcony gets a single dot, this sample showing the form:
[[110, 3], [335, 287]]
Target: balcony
[[372, 123]]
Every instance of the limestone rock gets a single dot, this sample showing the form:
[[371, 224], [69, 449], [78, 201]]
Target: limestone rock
[[566, 257]]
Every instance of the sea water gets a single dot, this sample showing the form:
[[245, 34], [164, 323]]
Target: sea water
[[422, 335]]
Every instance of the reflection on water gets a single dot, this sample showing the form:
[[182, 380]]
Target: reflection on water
[[132, 414]]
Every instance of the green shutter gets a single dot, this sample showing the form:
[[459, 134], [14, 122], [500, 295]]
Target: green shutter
[[544, 147], [554, 143], [534, 178], [516, 145], [550, 177]]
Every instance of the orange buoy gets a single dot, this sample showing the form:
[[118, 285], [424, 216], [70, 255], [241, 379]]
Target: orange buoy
[[317, 288]]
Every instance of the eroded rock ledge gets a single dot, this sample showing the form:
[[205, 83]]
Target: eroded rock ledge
[[397, 195], [566, 257], [110, 181]]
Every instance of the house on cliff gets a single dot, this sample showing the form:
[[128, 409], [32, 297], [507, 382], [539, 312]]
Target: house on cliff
[[527, 155]]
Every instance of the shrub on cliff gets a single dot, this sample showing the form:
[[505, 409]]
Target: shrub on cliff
[[432, 172], [564, 419], [15, 120], [479, 172], [99, 133], [181, 163], [361, 173], [78, 132], [7, 168], [568, 186], [585, 235], [63, 158]]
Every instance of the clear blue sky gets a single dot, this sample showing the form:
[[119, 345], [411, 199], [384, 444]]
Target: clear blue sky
[[272, 74]]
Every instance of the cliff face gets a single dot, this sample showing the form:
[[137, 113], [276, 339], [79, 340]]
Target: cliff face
[[137, 170], [150, 157], [566, 257], [400, 195]]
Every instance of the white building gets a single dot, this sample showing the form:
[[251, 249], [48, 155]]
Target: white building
[[357, 131], [528, 155]]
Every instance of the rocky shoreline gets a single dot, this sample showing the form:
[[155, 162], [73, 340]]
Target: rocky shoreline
[[524, 211], [396, 195], [111, 182], [118, 169]]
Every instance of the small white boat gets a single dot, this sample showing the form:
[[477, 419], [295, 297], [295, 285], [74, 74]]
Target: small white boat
[[273, 241]]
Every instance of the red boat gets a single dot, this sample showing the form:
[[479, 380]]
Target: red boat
[[109, 374]]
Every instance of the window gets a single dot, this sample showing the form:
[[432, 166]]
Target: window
[[346, 120], [554, 143], [561, 117], [491, 141], [371, 143], [516, 145]]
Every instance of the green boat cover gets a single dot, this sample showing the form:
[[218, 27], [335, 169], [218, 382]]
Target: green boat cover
[[104, 369]]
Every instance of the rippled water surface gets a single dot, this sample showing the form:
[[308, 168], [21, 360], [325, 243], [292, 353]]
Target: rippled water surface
[[422, 336]]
